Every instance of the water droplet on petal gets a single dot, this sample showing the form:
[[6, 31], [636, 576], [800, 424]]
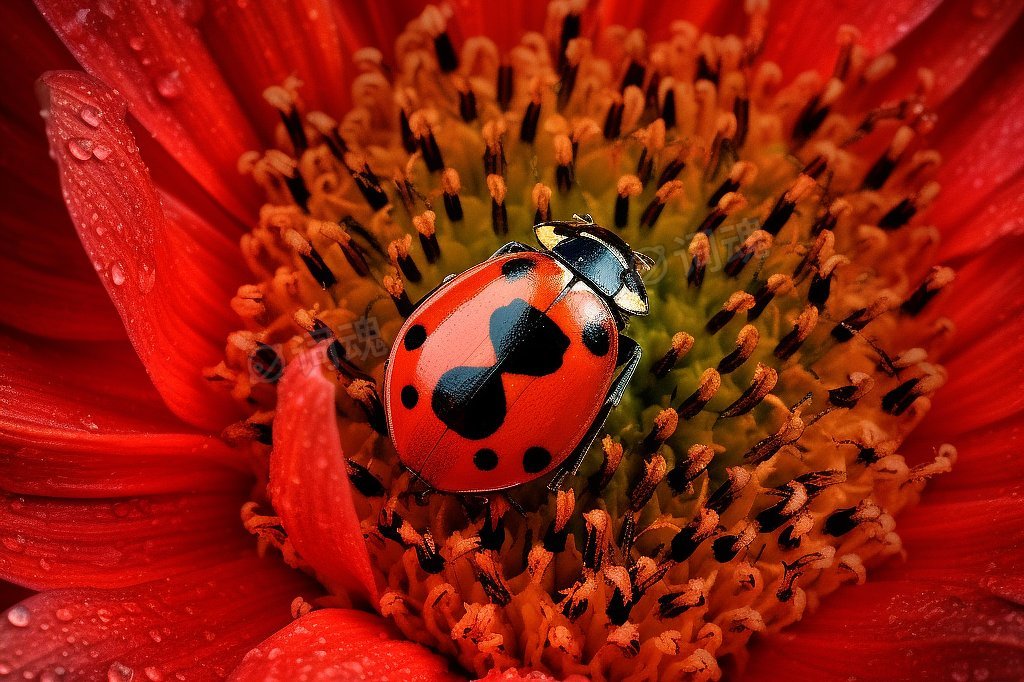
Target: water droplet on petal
[[63, 615], [101, 152], [19, 616], [147, 278], [81, 148], [119, 672], [117, 274], [153, 674], [91, 115], [13, 544], [170, 85]]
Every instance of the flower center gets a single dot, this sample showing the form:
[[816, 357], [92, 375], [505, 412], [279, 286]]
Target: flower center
[[752, 466]]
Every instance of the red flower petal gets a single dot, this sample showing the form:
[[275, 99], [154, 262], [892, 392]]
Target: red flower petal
[[84, 421], [149, 52], [48, 543], [962, 541], [262, 43], [167, 279], [995, 217], [986, 380], [899, 631], [309, 485], [988, 465], [341, 644], [982, 144], [49, 285], [952, 43], [197, 625], [983, 295], [29, 48], [802, 35]]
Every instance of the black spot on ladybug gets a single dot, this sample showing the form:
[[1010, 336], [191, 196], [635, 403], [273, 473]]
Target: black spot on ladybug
[[516, 268], [485, 459], [471, 400], [595, 338], [415, 337], [526, 341], [536, 460], [410, 396]]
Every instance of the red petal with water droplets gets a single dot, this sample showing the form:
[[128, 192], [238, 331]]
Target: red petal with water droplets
[[309, 485], [83, 420], [47, 543], [899, 631], [341, 644], [197, 625], [156, 59], [172, 306]]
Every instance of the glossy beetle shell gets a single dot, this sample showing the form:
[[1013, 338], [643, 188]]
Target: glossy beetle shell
[[495, 378]]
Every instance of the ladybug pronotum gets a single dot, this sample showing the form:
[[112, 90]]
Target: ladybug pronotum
[[506, 373]]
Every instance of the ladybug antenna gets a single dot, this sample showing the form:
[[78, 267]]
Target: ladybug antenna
[[642, 261]]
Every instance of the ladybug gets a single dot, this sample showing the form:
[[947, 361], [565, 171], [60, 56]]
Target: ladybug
[[506, 373]]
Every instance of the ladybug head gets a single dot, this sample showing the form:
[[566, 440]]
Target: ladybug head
[[601, 258]]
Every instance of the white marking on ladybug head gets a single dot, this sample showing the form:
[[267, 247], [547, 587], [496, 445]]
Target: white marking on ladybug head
[[630, 302]]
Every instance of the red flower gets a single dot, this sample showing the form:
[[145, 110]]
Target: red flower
[[123, 467]]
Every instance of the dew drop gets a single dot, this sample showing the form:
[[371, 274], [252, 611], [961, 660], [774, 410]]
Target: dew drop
[[119, 672], [63, 615], [136, 43], [147, 278], [81, 148], [91, 115], [117, 274], [153, 674], [102, 152], [19, 616], [170, 85], [13, 544]]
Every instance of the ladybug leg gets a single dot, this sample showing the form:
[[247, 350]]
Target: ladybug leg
[[511, 247], [629, 359]]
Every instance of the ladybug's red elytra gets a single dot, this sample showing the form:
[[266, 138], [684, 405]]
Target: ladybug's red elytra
[[507, 372]]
